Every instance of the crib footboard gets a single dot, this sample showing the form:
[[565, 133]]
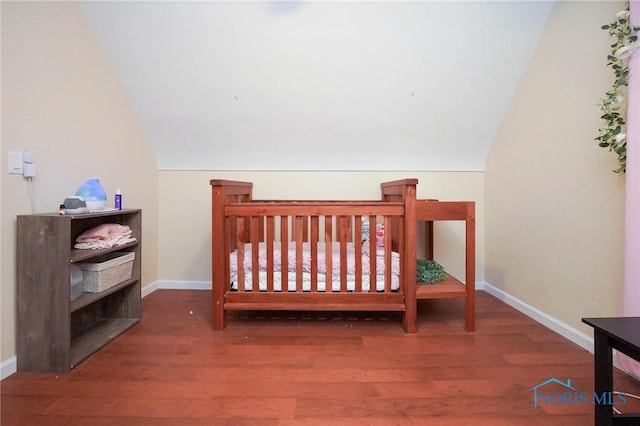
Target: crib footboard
[[306, 255]]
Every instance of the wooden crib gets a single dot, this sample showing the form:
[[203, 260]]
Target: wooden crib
[[313, 255]]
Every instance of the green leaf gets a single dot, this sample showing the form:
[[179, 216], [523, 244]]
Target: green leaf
[[611, 108]]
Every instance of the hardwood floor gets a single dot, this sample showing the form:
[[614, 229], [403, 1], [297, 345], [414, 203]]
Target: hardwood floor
[[274, 368]]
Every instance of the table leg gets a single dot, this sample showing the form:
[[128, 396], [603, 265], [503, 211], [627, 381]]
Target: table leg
[[603, 365]]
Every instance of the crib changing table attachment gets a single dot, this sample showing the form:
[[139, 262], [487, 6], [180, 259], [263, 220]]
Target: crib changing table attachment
[[428, 211]]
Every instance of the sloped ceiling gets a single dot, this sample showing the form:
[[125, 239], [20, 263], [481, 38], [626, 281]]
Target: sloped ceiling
[[320, 85]]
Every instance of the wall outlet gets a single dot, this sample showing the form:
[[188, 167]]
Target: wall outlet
[[15, 163]]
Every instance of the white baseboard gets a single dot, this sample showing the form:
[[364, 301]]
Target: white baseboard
[[575, 336], [565, 330], [175, 285], [8, 367]]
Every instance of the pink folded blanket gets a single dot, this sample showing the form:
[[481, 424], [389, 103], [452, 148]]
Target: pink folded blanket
[[104, 236]]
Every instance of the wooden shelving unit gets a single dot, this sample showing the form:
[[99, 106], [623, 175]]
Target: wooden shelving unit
[[429, 211], [55, 334]]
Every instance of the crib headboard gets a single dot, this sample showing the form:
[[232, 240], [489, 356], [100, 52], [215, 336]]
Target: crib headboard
[[404, 190], [229, 191], [224, 192]]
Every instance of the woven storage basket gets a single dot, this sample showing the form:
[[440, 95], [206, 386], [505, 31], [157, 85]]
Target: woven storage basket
[[108, 270]]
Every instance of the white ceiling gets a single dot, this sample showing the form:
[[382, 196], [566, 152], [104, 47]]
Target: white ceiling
[[320, 85]]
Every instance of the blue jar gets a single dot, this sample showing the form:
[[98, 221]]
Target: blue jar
[[93, 194]]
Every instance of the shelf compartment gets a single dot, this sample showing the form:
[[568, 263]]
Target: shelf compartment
[[78, 255], [94, 338], [88, 298], [448, 289]]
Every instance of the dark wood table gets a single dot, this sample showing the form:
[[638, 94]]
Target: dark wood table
[[623, 335]]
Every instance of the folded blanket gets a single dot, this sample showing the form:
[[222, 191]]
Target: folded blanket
[[104, 236]]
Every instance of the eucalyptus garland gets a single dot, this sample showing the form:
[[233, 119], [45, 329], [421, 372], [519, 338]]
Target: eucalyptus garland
[[613, 134], [429, 272]]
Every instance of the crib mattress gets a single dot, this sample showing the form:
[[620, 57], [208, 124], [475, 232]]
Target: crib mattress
[[322, 269]]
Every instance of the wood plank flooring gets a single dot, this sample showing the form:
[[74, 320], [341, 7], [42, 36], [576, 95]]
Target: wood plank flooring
[[293, 368]]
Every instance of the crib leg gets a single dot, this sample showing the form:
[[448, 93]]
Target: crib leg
[[408, 325], [410, 316], [219, 315], [469, 315]]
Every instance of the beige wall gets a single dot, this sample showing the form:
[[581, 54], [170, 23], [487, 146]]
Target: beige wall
[[61, 100], [185, 210], [554, 210]]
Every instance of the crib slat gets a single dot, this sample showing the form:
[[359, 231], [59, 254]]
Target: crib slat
[[387, 254], [298, 238], [271, 234], [358, 253], [343, 232], [305, 229], [328, 238], [348, 228], [254, 228], [372, 253], [284, 253], [315, 233], [240, 252]]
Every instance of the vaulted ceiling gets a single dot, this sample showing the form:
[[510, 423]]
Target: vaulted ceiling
[[319, 85]]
